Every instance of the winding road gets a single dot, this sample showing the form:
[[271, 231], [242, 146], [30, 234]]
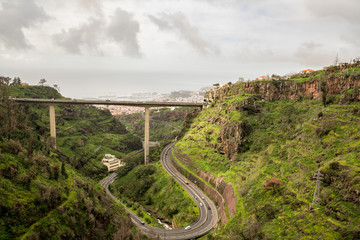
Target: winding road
[[208, 215]]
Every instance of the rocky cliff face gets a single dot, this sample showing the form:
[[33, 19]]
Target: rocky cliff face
[[336, 80], [234, 129]]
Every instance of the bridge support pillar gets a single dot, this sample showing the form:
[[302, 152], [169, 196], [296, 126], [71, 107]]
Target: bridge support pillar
[[147, 133], [52, 125]]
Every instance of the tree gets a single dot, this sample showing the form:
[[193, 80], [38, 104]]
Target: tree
[[273, 183], [42, 81], [63, 170], [57, 87], [16, 82], [4, 80]]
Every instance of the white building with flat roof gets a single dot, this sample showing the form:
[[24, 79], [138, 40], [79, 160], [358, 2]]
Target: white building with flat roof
[[111, 162]]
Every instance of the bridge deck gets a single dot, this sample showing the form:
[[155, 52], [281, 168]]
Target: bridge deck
[[108, 102]]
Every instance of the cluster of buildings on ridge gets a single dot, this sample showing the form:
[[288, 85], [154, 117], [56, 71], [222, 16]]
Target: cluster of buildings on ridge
[[302, 71]]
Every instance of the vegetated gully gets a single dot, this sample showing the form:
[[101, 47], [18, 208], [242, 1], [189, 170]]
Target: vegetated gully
[[208, 215]]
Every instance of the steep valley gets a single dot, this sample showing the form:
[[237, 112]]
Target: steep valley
[[279, 157]]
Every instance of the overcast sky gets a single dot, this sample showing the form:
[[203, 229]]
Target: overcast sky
[[114, 47]]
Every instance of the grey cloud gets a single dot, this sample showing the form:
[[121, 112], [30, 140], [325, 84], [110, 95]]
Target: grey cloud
[[352, 37], [15, 16], [91, 5], [255, 53], [179, 24], [161, 23], [87, 35], [313, 55], [123, 29], [346, 9]]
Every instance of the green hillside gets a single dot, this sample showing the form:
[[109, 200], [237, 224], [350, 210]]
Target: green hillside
[[84, 133], [165, 123], [270, 151], [150, 192], [47, 193], [34, 92]]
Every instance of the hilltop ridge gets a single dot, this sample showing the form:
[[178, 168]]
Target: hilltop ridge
[[339, 83]]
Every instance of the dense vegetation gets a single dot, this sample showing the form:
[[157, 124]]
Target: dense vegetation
[[84, 133], [42, 195], [283, 144], [165, 123], [152, 194], [148, 190]]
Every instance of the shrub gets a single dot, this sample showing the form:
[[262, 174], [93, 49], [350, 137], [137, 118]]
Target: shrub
[[273, 183], [266, 213], [355, 75], [356, 111], [251, 230], [11, 146], [335, 166]]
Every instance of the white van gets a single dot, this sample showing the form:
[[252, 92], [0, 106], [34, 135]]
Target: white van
[[187, 227], [201, 204]]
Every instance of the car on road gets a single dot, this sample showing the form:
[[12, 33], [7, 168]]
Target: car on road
[[187, 227], [208, 207], [142, 223], [202, 198], [186, 182], [201, 204]]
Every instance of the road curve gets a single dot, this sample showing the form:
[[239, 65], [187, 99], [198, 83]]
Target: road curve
[[208, 215]]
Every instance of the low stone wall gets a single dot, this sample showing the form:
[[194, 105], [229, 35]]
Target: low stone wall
[[223, 195]]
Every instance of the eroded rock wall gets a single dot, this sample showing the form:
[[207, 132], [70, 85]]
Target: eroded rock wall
[[289, 90], [336, 79]]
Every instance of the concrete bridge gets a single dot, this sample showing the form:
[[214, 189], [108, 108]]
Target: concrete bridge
[[147, 105]]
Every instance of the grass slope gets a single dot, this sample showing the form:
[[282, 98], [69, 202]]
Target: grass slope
[[151, 193], [290, 141], [41, 195]]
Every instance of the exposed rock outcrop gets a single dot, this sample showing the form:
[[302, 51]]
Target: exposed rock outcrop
[[337, 79]]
